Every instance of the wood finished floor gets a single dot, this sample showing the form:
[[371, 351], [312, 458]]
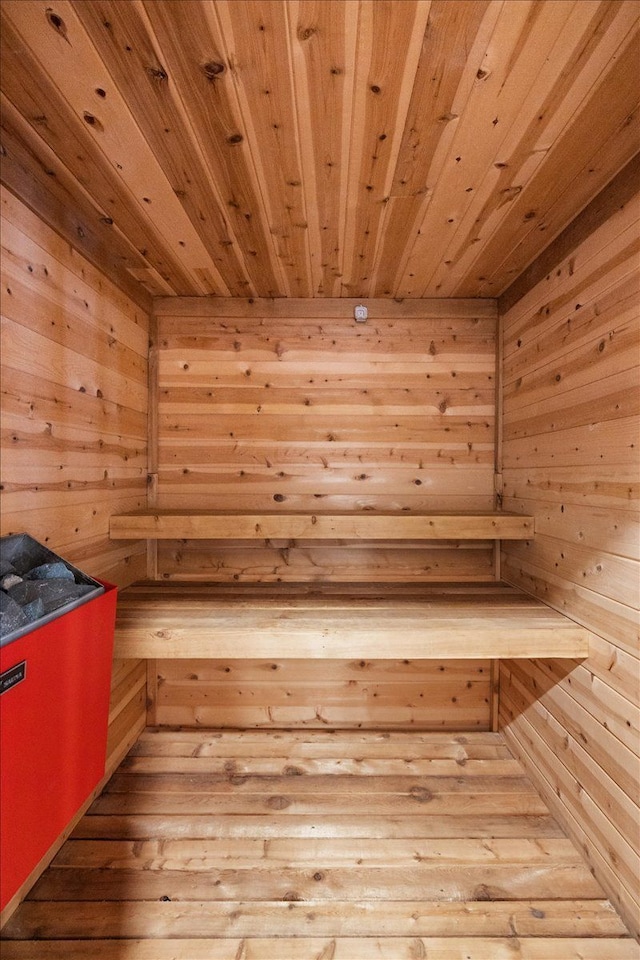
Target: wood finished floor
[[213, 845]]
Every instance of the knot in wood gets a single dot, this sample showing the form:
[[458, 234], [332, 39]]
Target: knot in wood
[[237, 780], [213, 69], [482, 893], [158, 73], [278, 803], [421, 794], [57, 23]]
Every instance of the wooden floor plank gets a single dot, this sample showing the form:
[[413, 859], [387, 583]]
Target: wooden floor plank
[[378, 751], [223, 853], [320, 806], [193, 826], [382, 948], [341, 742], [252, 844], [358, 766], [295, 783], [204, 919], [469, 881]]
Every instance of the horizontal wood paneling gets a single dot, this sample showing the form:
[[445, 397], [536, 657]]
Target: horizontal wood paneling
[[447, 695], [295, 561], [127, 709], [296, 149], [74, 399], [571, 388], [293, 403]]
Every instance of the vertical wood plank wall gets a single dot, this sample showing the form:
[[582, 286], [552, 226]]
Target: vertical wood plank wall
[[292, 405], [571, 457], [74, 417]]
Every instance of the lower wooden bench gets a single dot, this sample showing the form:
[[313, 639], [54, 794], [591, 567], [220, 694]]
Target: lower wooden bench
[[336, 621]]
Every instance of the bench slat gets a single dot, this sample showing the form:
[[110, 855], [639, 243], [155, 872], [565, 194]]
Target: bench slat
[[161, 621], [277, 525]]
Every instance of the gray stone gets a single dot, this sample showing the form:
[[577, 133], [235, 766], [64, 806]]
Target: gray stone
[[6, 567], [50, 571], [23, 552], [12, 616], [34, 610], [53, 593]]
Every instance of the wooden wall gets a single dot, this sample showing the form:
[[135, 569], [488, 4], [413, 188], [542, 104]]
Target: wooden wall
[[274, 405], [571, 456], [74, 399], [74, 417], [292, 405], [371, 694]]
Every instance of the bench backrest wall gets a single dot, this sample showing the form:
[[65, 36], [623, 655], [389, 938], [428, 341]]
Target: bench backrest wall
[[267, 405], [293, 405]]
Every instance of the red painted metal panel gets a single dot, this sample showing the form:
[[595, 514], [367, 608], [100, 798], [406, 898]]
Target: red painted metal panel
[[53, 731]]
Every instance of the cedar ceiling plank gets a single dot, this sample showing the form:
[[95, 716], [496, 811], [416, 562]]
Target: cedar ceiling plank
[[385, 72], [35, 175], [577, 58], [323, 37], [125, 42], [569, 176], [493, 105], [50, 194], [480, 129], [258, 45], [440, 81], [193, 46], [89, 126], [622, 190], [39, 102]]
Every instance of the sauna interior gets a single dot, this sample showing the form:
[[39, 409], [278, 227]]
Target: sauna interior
[[377, 578]]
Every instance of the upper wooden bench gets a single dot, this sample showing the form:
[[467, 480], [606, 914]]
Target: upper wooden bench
[[282, 525], [338, 621], [159, 620]]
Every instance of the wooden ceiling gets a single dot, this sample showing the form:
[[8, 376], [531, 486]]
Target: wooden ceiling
[[276, 148]]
